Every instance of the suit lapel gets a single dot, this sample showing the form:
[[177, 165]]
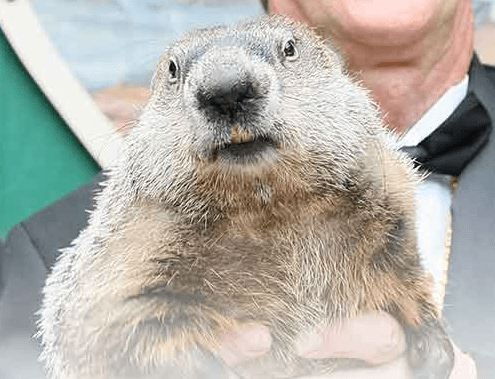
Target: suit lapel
[[470, 294]]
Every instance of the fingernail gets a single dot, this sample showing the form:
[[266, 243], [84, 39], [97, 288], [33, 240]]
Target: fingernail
[[309, 343], [393, 345]]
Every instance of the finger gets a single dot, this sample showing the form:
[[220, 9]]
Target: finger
[[464, 366], [240, 345], [399, 368], [375, 337]]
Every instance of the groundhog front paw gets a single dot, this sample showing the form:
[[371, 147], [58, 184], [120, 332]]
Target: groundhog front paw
[[430, 351]]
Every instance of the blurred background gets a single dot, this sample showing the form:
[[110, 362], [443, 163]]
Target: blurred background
[[109, 42], [111, 47]]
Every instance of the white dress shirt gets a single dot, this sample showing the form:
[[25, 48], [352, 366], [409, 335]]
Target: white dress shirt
[[434, 196]]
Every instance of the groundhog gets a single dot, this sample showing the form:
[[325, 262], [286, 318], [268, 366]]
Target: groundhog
[[258, 185]]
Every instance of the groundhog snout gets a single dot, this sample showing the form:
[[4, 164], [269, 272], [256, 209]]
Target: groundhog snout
[[229, 85], [228, 95], [231, 94]]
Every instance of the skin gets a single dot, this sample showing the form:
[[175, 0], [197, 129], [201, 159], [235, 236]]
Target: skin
[[383, 350], [408, 53]]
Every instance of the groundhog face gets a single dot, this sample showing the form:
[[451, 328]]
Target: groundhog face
[[242, 103]]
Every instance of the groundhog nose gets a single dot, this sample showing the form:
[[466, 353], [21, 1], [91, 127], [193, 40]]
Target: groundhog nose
[[226, 94], [226, 98], [230, 96]]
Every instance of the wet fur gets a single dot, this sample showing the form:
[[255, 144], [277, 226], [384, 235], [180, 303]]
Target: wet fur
[[183, 244]]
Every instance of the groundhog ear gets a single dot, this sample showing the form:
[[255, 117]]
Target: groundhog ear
[[154, 80], [158, 80]]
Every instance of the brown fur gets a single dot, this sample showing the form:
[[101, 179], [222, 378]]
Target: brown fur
[[186, 241]]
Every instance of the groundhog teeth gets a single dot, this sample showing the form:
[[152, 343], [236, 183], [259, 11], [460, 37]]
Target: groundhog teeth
[[238, 136]]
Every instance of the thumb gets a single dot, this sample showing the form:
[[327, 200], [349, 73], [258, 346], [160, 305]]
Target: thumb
[[464, 366], [242, 344], [375, 337]]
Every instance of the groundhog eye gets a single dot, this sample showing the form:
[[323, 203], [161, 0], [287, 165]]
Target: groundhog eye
[[173, 71], [289, 49]]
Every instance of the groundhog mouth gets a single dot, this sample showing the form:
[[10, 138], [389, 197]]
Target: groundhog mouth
[[247, 152]]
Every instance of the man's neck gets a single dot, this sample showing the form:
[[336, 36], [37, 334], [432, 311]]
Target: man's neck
[[407, 80]]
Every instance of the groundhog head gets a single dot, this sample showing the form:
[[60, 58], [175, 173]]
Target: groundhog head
[[242, 109]]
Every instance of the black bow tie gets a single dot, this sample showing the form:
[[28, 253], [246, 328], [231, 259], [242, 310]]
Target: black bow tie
[[450, 148]]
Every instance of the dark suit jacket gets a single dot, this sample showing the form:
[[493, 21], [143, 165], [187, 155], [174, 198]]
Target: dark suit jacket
[[470, 294], [32, 246]]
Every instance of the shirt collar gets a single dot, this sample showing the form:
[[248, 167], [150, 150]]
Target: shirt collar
[[436, 115]]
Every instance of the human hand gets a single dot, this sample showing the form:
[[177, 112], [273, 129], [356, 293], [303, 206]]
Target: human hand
[[383, 350], [241, 345]]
